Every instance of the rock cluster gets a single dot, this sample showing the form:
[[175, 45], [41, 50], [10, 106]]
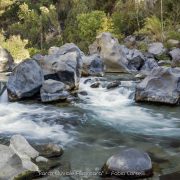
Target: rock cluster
[[20, 160]]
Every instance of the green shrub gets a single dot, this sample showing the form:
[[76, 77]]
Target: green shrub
[[16, 46], [152, 28], [173, 35], [89, 24], [142, 46]]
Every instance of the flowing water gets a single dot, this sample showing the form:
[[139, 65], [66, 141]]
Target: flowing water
[[98, 125]]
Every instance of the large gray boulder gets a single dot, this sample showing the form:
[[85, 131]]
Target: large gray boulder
[[93, 66], [16, 159], [10, 164], [52, 90], [62, 67], [129, 163], [162, 85], [109, 50], [175, 54], [156, 48], [66, 48], [20, 146], [25, 80], [6, 60]]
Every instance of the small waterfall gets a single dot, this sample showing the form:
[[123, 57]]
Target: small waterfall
[[4, 97]]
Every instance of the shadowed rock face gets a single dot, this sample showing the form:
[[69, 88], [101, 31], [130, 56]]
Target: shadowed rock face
[[93, 66], [25, 80], [65, 68], [162, 85], [130, 163], [52, 90], [6, 60], [109, 50]]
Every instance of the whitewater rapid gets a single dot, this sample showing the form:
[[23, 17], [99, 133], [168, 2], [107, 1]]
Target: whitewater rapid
[[114, 108], [117, 108]]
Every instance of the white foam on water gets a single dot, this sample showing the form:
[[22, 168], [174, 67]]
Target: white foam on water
[[115, 108], [33, 121], [4, 97]]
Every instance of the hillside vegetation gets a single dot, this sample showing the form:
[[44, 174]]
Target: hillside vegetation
[[32, 26]]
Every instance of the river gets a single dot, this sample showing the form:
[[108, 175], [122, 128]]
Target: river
[[96, 126]]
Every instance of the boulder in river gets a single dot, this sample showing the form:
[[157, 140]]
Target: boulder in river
[[129, 163], [109, 50], [93, 66], [25, 80], [175, 54], [6, 60], [50, 150], [65, 68], [162, 85], [95, 85], [52, 90], [113, 84]]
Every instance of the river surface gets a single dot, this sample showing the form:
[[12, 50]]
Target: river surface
[[96, 126]]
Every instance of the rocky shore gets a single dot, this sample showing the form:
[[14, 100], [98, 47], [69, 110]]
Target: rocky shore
[[55, 77]]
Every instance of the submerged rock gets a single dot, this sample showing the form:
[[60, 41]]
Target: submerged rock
[[113, 84], [109, 50], [52, 90], [93, 66], [95, 85], [6, 60], [50, 150], [162, 85], [129, 163], [25, 80], [173, 176]]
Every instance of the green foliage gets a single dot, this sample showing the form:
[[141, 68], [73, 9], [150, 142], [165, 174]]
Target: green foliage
[[46, 23], [127, 17], [16, 46], [37, 26], [142, 46], [4, 4], [89, 24], [152, 28], [173, 35]]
